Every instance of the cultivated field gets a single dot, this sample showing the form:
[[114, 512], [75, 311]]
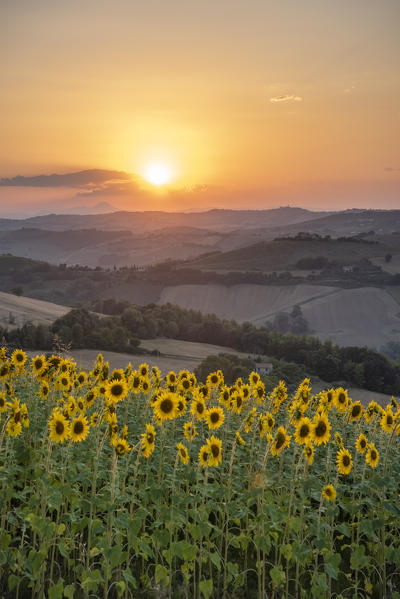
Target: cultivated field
[[363, 316], [16, 311]]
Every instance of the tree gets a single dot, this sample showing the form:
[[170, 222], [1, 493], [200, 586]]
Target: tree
[[17, 291], [388, 258]]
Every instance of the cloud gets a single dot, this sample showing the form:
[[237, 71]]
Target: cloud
[[286, 98], [87, 178], [349, 90], [389, 169]]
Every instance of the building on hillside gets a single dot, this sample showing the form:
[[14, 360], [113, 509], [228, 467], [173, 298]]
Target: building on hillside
[[264, 367]]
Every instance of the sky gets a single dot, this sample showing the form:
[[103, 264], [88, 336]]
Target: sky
[[247, 103]]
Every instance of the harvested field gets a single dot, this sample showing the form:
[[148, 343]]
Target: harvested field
[[16, 311], [363, 316]]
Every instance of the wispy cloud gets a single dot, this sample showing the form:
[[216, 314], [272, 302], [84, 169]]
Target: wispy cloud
[[349, 90], [87, 178], [286, 98]]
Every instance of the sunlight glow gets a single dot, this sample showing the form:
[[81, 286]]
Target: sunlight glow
[[158, 174]]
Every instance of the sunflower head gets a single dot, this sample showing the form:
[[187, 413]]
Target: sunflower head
[[215, 451], [79, 429], [166, 406], [203, 455], [361, 443], [281, 440], [372, 457], [321, 429], [303, 431], [329, 492], [344, 461], [215, 417], [183, 453], [355, 411], [59, 427]]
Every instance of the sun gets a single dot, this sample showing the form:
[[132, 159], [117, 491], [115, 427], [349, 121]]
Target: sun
[[158, 173]]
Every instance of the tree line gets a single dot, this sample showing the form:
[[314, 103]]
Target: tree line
[[359, 366]]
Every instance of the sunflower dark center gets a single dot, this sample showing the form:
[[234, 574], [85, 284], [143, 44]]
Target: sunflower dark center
[[328, 492], [239, 401], [356, 411], [214, 417], [150, 438], [320, 429], [215, 450], [304, 430], [214, 379], [59, 427], [363, 443], [341, 398], [20, 358], [280, 440], [38, 364], [180, 405], [200, 408], [346, 461], [182, 452], [185, 384], [2, 402], [78, 427], [166, 406], [389, 420], [17, 416], [373, 454], [117, 389]]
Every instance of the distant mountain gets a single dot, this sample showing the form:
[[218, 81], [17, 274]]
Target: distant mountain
[[100, 208], [216, 219]]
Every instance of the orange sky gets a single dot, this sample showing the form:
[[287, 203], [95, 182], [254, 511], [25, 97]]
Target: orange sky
[[262, 102]]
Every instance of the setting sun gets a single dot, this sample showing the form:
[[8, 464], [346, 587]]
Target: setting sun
[[158, 174]]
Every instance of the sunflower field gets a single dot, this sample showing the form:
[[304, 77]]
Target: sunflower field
[[127, 484]]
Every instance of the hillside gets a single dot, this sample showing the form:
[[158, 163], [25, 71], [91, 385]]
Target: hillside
[[363, 316], [284, 254], [16, 311]]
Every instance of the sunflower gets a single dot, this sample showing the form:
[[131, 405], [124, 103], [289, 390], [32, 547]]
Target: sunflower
[[44, 390], [59, 427], [121, 445], [387, 421], [303, 431], [372, 457], [237, 402], [198, 408], [79, 429], [213, 379], [329, 492], [321, 429], [183, 453], [361, 443], [166, 406], [355, 411], [3, 402], [224, 397], [278, 396], [204, 392], [259, 392], [18, 357], [330, 397], [203, 455], [254, 378], [338, 439], [71, 406], [189, 431], [249, 420], [344, 461], [214, 417], [309, 453], [239, 438], [63, 382], [143, 370], [94, 419], [215, 451], [82, 378], [282, 440], [171, 379], [341, 400], [181, 406], [38, 364], [134, 382], [149, 437], [185, 385], [4, 370], [13, 428], [90, 397], [117, 390]]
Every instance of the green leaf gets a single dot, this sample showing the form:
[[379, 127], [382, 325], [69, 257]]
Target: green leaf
[[277, 575], [56, 591], [161, 575], [216, 560], [120, 586], [206, 588], [358, 558], [12, 582], [69, 591]]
